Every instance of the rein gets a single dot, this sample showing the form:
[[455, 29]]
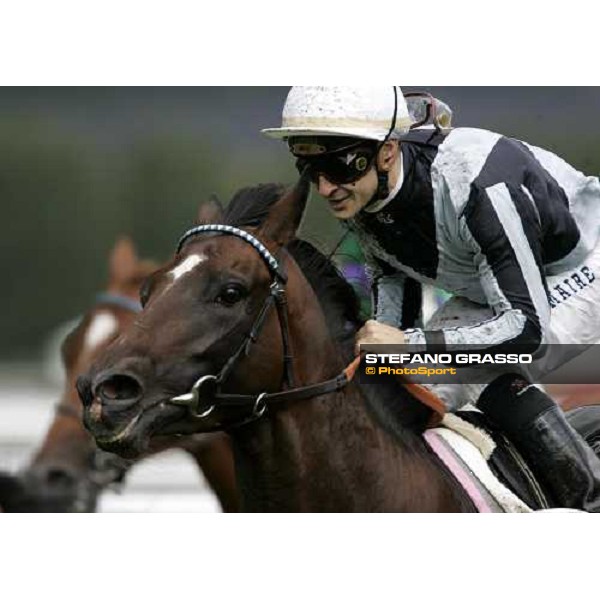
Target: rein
[[205, 395]]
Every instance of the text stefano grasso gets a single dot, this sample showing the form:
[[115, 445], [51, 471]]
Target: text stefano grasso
[[461, 358]]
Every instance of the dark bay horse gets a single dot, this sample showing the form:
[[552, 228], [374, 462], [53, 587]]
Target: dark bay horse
[[68, 471], [265, 312]]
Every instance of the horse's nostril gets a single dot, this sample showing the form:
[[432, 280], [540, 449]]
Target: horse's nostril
[[119, 387]]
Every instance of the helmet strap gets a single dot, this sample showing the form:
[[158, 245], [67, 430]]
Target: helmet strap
[[383, 184], [383, 189]]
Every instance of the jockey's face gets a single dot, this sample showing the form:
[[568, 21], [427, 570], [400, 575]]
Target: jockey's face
[[347, 200]]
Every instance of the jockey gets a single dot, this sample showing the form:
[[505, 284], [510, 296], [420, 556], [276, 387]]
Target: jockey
[[511, 230]]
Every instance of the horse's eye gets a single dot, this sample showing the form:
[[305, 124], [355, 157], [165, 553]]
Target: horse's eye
[[230, 295]]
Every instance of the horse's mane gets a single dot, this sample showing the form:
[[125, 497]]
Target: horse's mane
[[248, 208]]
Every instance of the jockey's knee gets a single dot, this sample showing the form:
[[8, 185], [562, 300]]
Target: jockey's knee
[[512, 402], [508, 399], [459, 312]]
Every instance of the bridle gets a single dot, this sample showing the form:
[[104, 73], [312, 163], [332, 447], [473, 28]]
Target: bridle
[[205, 395]]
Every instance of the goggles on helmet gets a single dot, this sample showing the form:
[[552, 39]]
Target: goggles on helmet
[[340, 163]]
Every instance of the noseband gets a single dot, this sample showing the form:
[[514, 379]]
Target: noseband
[[205, 394]]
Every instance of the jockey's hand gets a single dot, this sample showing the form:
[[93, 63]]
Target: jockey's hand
[[373, 332]]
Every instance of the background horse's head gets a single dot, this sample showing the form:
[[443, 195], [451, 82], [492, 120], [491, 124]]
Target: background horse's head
[[67, 472], [198, 311]]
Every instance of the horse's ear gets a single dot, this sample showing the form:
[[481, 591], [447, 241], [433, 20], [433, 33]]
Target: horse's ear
[[210, 211], [123, 260], [286, 214]]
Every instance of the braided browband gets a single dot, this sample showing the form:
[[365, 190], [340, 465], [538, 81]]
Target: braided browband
[[244, 235], [119, 301]]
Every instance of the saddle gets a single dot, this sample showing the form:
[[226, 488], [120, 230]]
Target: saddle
[[488, 465]]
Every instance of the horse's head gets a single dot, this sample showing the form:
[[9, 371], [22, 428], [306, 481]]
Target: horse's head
[[213, 319], [68, 470]]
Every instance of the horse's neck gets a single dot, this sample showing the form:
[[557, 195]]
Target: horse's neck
[[329, 454]]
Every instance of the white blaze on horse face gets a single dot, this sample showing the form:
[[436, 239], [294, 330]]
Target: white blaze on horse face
[[102, 327], [186, 266]]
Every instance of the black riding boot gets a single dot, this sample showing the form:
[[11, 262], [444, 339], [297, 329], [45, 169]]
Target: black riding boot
[[557, 454]]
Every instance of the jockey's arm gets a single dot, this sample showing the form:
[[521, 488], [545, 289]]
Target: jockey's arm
[[397, 301], [506, 252]]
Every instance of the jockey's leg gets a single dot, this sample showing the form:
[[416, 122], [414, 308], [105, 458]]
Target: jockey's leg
[[454, 313], [555, 451], [538, 427]]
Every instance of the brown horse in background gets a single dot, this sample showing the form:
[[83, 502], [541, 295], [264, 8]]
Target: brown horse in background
[[241, 314], [68, 471]]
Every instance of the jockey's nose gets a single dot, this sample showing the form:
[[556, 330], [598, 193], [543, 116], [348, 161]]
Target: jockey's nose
[[324, 187]]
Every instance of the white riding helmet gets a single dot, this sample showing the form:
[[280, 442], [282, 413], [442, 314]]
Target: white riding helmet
[[361, 112]]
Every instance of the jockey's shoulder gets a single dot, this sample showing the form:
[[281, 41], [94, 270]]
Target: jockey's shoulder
[[460, 159], [469, 143]]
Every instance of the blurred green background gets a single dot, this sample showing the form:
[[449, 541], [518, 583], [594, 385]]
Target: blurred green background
[[81, 166]]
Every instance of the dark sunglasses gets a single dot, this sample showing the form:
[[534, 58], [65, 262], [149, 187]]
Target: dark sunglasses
[[338, 168]]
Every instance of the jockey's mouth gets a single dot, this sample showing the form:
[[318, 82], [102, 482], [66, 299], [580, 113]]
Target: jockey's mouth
[[336, 203]]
